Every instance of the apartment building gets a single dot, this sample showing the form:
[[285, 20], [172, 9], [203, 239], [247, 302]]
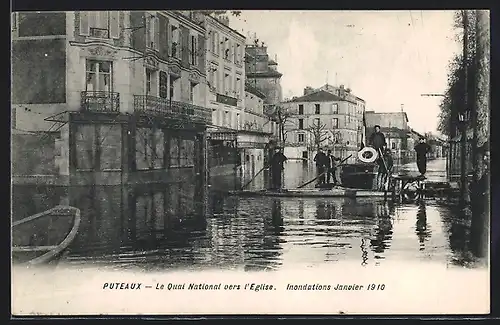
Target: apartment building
[[225, 92], [109, 97], [321, 118]]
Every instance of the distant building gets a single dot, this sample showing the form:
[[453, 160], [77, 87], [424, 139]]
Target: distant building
[[321, 117], [395, 127], [262, 73]]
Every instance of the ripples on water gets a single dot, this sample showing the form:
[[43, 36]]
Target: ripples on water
[[161, 228]]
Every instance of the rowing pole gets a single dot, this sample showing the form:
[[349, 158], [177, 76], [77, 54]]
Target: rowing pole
[[312, 180], [253, 177]]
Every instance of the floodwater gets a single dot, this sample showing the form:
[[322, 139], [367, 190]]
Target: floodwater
[[261, 233]]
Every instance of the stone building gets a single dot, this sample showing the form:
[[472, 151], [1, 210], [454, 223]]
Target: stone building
[[225, 53], [262, 73], [109, 98], [323, 118]]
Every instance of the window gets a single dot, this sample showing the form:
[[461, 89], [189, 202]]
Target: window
[[227, 83], [394, 145], [237, 58], [316, 121], [216, 79], [110, 140], [301, 138], [99, 24], [149, 148], [317, 109], [149, 77], [213, 38], [305, 154], [151, 24], [192, 90], [335, 108], [237, 87], [227, 48], [99, 76], [335, 122], [301, 109], [193, 50], [175, 50], [163, 84], [301, 124]]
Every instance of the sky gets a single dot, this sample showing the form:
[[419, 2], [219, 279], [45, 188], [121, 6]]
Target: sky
[[388, 58]]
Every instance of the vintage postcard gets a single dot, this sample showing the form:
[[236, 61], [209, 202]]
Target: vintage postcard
[[250, 162]]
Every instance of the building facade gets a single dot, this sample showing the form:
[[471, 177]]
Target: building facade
[[262, 73], [115, 97], [395, 127], [320, 118]]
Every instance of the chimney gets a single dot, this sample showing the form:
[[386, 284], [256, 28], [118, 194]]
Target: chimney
[[308, 90], [342, 91]]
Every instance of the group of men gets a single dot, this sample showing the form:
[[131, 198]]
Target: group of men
[[327, 164]]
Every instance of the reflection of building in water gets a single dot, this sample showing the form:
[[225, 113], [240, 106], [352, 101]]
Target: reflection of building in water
[[423, 230], [459, 235], [239, 238], [364, 252]]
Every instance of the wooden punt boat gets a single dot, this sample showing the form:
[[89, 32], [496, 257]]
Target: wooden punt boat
[[334, 192], [44, 237]]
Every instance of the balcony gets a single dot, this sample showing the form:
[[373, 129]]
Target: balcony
[[100, 101], [170, 108], [223, 99]]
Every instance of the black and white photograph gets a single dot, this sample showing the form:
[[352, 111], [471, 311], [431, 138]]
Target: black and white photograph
[[209, 162]]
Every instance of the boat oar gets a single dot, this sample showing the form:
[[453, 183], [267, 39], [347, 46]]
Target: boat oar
[[323, 173], [253, 177]]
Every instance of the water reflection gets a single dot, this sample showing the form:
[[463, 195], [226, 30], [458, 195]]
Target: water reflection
[[174, 226], [383, 230], [423, 230]]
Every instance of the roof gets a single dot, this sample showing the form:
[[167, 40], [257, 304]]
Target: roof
[[319, 96], [251, 89], [272, 62]]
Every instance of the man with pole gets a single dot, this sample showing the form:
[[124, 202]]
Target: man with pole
[[377, 141]]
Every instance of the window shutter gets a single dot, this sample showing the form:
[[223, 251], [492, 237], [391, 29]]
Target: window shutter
[[185, 46], [163, 36], [138, 31], [84, 23], [114, 24], [201, 53], [156, 30]]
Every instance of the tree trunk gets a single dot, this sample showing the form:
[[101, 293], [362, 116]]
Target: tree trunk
[[480, 123]]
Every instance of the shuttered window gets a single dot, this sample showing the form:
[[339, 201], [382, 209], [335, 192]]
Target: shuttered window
[[100, 24]]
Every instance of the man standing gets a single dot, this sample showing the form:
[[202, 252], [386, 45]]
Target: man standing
[[332, 168], [321, 163], [422, 150], [377, 139], [276, 168]]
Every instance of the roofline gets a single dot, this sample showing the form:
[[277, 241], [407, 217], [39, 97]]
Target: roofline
[[227, 27]]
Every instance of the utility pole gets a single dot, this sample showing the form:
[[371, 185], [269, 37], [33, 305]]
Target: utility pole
[[463, 117]]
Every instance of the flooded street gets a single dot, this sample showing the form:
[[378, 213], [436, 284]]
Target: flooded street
[[252, 233]]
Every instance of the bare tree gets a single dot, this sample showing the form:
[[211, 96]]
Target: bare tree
[[281, 116], [319, 133]]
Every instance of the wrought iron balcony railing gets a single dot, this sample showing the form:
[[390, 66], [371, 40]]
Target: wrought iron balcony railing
[[165, 107], [100, 101]]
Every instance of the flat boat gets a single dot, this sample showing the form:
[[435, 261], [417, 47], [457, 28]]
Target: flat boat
[[44, 237]]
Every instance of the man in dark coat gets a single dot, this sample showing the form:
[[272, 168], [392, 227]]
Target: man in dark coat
[[377, 139], [321, 164], [422, 150], [332, 167], [276, 167]]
